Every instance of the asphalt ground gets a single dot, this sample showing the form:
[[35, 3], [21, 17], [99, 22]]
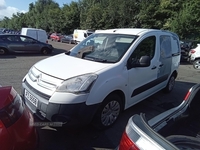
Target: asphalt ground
[[14, 67]]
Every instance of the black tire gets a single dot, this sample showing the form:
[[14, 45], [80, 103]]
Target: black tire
[[170, 84], [45, 51], [196, 64], [3, 51], [108, 112], [184, 142]]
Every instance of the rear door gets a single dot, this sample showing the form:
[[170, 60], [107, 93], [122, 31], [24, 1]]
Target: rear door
[[165, 59]]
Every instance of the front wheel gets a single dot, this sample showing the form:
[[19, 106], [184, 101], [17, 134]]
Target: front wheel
[[3, 51], [170, 84], [196, 64], [108, 112]]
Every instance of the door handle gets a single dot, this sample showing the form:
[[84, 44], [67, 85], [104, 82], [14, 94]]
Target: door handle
[[154, 67], [160, 65]]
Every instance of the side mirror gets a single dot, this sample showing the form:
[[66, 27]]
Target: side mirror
[[144, 61]]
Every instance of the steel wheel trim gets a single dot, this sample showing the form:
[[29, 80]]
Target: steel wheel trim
[[197, 64], [110, 113], [171, 83], [2, 51]]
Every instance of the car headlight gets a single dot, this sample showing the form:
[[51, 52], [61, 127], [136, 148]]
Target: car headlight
[[78, 84]]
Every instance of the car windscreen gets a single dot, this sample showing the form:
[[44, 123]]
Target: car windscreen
[[103, 47]]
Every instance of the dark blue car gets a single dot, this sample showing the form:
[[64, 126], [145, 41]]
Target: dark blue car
[[14, 43]]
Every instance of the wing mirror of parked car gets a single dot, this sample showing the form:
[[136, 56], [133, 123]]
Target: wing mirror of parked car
[[144, 61]]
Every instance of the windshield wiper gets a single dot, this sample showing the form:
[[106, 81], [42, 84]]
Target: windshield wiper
[[98, 59]]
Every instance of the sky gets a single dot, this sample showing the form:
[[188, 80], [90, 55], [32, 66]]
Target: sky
[[10, 7]]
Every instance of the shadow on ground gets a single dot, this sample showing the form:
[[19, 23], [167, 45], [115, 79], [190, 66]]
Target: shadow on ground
[[89, 138]]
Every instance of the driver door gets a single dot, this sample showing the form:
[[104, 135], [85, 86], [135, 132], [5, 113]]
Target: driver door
[[142, 80]]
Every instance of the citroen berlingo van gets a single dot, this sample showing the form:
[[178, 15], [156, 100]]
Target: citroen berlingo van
[[103, 75]]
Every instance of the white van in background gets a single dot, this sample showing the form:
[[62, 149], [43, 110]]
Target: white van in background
[[80, 35], [37, 34]]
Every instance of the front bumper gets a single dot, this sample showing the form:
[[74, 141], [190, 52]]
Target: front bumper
[[69, 115]]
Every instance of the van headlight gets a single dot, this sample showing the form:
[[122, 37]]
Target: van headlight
[[78, 84]]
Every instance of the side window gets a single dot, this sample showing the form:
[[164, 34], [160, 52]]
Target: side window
[[26, 39], [165, 46], [85, 35], [175, 45], [3, 38], [13, 38], [145, 48]]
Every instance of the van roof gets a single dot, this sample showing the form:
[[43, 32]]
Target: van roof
[[134, 31], [32, 29]]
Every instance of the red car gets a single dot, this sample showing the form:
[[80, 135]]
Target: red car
[[16, 122], [56, 37]]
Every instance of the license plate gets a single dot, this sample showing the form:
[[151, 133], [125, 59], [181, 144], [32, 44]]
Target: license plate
[[31, 98]]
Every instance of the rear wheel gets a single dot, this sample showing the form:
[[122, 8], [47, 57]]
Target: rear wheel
[[196, 64], [184, 142], [108, 112], [170, 84], [45, 51], [3, 51]]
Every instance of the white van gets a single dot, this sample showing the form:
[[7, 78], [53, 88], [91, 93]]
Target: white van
[[37, 34], [80, 35], [103, 75]]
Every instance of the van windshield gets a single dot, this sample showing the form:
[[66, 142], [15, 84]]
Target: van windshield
[[107, 48]]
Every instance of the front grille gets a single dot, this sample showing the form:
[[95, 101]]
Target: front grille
[[45, 96]]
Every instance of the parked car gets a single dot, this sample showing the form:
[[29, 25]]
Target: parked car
[[185, 48], [56, 37], [194, 56], [16, 122], [68, 39], [176, 128], [10, 43], [106, 73]]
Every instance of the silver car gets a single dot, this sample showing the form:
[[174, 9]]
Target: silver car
[[177, 128]]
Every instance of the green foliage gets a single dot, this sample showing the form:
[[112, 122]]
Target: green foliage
[[180, 16]]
